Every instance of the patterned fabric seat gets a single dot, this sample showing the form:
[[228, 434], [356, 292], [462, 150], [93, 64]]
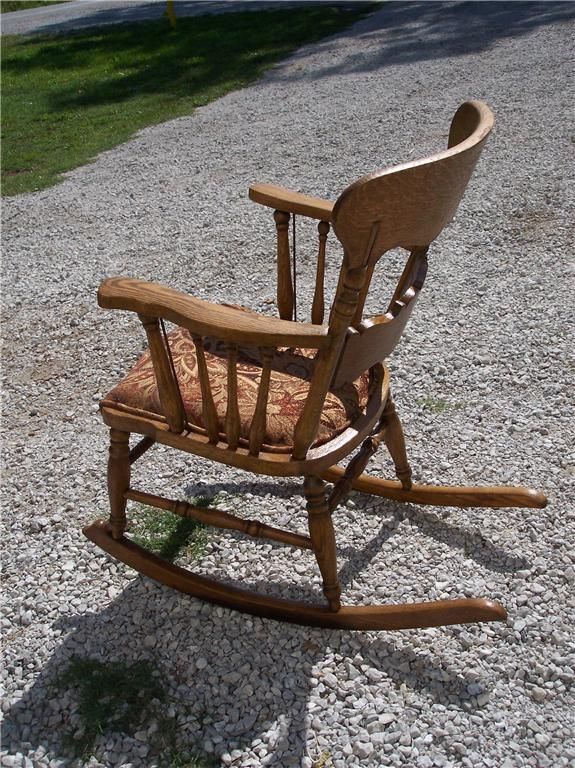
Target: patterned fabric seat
[[289, 386]]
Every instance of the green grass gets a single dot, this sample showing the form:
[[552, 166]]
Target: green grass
[[111, 696], [7, 6], [168, 535], [178, 759], [436, 404], [118, 697], [67, 98]]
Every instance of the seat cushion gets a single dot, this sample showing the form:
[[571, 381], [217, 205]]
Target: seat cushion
[[288, 390]]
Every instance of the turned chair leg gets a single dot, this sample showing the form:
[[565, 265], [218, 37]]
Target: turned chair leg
[[395, 442], [323, 538], [118, 480]]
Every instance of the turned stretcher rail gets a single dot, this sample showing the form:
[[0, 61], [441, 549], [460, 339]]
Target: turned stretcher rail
[[220, 519]]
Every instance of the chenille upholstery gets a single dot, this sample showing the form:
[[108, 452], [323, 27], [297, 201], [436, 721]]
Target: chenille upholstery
[[289, 386]]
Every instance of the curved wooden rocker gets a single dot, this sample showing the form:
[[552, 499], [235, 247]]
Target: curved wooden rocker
[[278, 397]]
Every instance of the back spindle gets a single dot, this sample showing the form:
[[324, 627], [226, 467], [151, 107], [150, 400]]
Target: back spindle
[[232, 409], [258, 427], [208, 406]]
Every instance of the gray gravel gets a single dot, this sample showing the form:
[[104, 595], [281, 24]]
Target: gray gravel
[[492, 340]]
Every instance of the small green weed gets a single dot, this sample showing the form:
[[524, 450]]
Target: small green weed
[[168, 535], [323, 761], [113, 696], [436, 404], [165, 745], [177, 759]]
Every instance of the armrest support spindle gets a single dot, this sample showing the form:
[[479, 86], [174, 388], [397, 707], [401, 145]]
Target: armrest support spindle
[[208, 406], [169, 393], [285, 293]]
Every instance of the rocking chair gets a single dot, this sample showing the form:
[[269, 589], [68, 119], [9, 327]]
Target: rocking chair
[[284, 398]]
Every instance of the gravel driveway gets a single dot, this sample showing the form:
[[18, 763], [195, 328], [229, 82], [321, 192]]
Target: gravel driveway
[[484, 381]]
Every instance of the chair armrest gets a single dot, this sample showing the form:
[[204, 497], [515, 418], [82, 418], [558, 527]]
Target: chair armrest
[[282, 199], [236, 326]]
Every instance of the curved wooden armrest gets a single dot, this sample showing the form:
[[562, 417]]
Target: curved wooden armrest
[[282, 199], [207, 319]]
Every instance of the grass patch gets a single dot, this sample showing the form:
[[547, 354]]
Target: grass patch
[[118, 697], [112, 696], [168, 535], [7, 6], [183, 759], [67, 98], [436, 404], [323, 761]]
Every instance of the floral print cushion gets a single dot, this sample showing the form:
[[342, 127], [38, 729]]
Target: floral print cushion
[[288, 389]]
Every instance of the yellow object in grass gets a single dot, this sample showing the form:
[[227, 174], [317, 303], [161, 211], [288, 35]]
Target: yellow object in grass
[[171, 13]]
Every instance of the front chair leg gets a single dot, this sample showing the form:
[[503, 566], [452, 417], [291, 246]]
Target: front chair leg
[[323, 538], [118, 480], [395, 442]]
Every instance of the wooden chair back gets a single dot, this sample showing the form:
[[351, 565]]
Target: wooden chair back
[[409, 205], [406, 206]]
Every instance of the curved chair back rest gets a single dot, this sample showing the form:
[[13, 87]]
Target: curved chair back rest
[[405, 206], [408, 205]]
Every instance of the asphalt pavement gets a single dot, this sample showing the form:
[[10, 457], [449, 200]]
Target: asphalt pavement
[[79, 14]]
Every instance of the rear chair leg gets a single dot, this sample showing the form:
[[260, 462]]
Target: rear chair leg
[[323, 539], [118, 480], [395, 442]]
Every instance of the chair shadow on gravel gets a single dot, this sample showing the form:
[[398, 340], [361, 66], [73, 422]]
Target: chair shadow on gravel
[[473, 543], [279, 665], [281, 661]]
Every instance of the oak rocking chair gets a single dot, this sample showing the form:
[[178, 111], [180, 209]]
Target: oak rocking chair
[[279, 397]]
